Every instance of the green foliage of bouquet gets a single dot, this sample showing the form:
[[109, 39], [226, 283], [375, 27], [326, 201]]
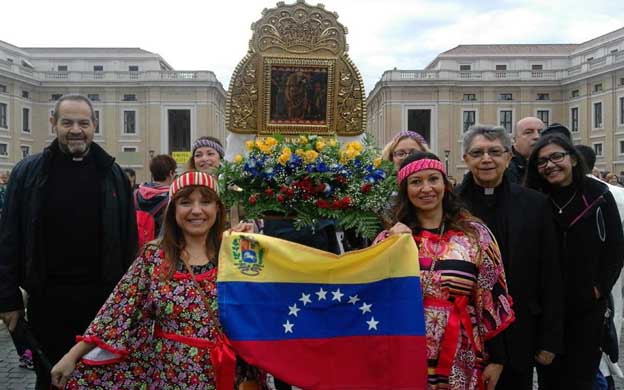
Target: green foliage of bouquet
[[309, 178]]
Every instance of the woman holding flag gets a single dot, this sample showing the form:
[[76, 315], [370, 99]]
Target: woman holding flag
[[159, 328], [465, 293]]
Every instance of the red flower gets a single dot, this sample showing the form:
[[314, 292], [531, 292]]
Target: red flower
[[252, 200], [341, 179], [346, 201], [284, 189], [366, 187], [269, 192], [306, 196], [322, 204], [281, 198]]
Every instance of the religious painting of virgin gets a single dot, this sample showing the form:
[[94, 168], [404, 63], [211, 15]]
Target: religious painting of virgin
[[298, 95]]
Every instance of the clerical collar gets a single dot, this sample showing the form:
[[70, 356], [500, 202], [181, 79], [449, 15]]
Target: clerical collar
[[488, 191]]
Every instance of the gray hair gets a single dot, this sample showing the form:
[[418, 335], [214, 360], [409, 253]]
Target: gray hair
[[74, 97], [491, 133]]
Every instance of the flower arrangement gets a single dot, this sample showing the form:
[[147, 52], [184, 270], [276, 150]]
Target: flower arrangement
[[310, 178]]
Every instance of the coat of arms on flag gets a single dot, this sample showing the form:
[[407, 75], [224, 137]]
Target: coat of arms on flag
[[322, 321]]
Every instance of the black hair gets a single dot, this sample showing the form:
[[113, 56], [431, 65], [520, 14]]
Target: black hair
[[589, 155], [533, 178]]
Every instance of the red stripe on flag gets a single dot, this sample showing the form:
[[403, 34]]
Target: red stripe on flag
[[358, 362]]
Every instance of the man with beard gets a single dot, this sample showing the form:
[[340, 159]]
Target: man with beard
[[67, 234], [526, 135]]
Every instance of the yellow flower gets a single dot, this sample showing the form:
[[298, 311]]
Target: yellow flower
[[299, 152], [332, 142], [249, 145], [310, 156], [285, 156], [270, 141], [264, 148], [238, 158], [355, 145], [303, 139], [377, 162], [320, 145]]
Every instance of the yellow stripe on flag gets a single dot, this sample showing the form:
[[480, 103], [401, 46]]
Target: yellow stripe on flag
[[260, 258]]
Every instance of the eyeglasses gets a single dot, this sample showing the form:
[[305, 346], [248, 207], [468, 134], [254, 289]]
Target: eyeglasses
[[494, 152], [403, 153], [556, 157]]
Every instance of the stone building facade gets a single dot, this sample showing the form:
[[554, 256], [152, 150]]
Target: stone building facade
[[579, 85]]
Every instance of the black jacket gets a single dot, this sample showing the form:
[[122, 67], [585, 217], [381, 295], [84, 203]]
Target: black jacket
[[517, 167], [22, 262], [592, 248], [522, 222]]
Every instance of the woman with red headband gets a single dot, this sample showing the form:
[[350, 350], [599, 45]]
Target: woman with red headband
[[463, 282], [159, 328]]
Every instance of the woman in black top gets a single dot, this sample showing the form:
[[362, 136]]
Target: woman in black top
[[591, 256]]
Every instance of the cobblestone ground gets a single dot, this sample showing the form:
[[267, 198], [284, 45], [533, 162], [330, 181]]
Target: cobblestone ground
[[12, 377]]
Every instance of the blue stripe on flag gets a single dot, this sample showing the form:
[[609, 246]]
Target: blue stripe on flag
[[278, 311]]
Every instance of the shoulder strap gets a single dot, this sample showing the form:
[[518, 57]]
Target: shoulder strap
[[587, 208]]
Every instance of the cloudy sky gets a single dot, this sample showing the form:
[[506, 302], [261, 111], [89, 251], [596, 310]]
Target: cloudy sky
[[383, 34]]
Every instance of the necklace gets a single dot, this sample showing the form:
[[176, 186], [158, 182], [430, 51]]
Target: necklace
[[560, 208], [434, 260]]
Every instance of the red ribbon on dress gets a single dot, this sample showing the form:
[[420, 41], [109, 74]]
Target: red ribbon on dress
[[222, 355], [458, 317]]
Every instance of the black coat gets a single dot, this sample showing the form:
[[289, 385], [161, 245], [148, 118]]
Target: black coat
[[22, 260], [592, 249], [522, 222]]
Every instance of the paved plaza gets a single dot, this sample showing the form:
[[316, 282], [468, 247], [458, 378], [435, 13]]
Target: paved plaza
[[12, 377]]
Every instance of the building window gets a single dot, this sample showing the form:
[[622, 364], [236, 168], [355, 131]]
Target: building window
[[622, 81], [468, 119], [598, 87], [598, 115], [575, 93], [574, 119], [98, 68], [464, 68], [621, 147], [55, 96], [501, 67], [129, 98], [621, 111], [537, 67], [133, 68], [470, 97], [598, 149], [505, 96], [129, 149], [543, 96], [94, 97], [544, 116], [62, 68], [25, 94], [25, 151], [3, 115], [97, 121], [129, 122], [506, 119], [26, 120], [4, 150], [589, 59], [3, 88]]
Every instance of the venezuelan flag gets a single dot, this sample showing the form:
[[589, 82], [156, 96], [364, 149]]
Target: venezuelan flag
[[321, 321]]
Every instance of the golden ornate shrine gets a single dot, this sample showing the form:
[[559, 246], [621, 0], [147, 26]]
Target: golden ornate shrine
[[297, 77]]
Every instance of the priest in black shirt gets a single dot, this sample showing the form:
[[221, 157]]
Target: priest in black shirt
[[67, 235]]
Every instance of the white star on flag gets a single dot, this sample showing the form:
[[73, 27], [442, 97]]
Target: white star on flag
[[366, 308], [337, 295], [354, 299], [372, 324], [293, 310], [288, 327], [322, 294], [305, 298]]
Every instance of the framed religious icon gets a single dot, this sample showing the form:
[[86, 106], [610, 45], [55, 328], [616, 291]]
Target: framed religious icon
[[298, 95]]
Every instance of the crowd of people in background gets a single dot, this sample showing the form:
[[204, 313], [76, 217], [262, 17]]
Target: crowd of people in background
[[520, 261]]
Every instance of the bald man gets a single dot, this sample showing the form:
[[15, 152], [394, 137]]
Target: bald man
[[527, 133]]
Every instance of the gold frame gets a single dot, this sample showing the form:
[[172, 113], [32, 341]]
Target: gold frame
[[291, 128]]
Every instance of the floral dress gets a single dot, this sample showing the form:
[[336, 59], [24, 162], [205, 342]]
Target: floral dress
[[466, 304], [153, 333]]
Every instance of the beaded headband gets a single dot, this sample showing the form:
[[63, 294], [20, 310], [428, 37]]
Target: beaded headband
[[411, 134], [200, 143], [192, 178], [419, 165]]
